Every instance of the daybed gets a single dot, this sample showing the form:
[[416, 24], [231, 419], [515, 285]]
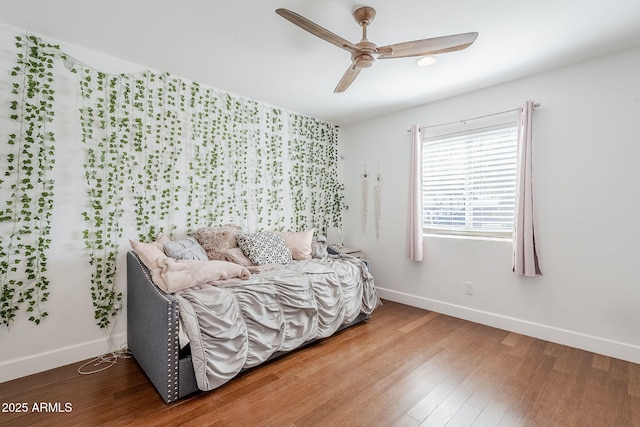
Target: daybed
[[198, 336]]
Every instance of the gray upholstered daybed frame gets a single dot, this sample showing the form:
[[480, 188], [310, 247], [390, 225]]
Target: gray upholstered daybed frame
[[152, 334]]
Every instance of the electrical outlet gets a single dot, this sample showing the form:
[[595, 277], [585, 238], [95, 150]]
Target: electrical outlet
[[468, 288]]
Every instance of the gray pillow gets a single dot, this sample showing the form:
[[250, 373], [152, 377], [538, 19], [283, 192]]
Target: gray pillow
[[187, 248], [319, 247], [264, 248]]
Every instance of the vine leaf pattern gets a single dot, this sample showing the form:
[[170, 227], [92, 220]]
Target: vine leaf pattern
[[26, 184], [159, 151], [244, 163]]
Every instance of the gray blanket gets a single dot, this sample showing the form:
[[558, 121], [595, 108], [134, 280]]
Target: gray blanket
[[239, 324]]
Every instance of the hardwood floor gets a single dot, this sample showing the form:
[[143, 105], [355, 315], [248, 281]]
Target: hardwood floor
[[404, 367]]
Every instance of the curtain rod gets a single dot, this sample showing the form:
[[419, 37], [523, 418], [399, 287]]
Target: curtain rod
[[535, 105]]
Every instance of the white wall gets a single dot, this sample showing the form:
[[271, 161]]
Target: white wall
[[587, 149]]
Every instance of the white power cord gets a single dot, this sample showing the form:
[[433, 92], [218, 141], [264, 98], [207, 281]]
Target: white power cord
[[108, 358]]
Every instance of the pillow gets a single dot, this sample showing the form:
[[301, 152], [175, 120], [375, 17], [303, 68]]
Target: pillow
[[216, 240], [236, 256], [161, 239], [319, 247], [188, 248], [176, 275], [149, 253], [299, 243], [264, 248]]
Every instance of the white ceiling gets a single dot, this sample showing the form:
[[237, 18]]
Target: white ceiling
[[245, 48]]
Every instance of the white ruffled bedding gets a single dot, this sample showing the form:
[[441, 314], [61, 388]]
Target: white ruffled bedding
[[238, 324]]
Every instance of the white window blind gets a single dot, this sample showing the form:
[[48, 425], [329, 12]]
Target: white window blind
[[469, 182]]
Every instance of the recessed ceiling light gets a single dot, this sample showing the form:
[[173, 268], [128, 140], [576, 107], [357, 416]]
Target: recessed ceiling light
[[425, 61]]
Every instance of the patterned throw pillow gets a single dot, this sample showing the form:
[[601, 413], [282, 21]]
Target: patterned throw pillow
[[264, 248]]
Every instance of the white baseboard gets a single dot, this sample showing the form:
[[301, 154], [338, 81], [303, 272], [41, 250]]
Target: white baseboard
[[21, 367], [616, 349]]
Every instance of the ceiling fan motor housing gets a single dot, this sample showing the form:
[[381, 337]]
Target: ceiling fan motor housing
[[364, 60], [365, 55]]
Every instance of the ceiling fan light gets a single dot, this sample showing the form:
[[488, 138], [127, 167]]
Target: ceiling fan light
[[425, 61]]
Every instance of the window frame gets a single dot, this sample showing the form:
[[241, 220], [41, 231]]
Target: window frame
[[469, 232]]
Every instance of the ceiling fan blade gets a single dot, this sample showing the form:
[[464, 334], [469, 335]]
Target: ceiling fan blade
[[427, 46], [317, 30], [348, 77]]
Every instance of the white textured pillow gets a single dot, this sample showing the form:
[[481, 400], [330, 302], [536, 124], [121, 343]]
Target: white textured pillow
[[264, 248]]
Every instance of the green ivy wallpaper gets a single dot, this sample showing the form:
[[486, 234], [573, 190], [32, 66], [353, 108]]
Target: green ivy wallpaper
[[170, 155], [27, 183]]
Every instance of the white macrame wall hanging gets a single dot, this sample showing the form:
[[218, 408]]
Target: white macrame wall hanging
[[378, 202], [365, 191]]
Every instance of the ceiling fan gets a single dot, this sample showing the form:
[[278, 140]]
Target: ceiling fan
[[364, 53]]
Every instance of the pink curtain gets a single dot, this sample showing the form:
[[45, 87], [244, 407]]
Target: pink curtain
[[525, 256], [414, 224]]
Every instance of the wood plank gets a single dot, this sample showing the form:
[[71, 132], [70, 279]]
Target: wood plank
[[601, 362], [511, 339], [466, 416], [634, 379], [448, 408], [634, 416], [492, 413], [419, 322]]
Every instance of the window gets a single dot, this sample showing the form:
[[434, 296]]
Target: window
[[469, 182]]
